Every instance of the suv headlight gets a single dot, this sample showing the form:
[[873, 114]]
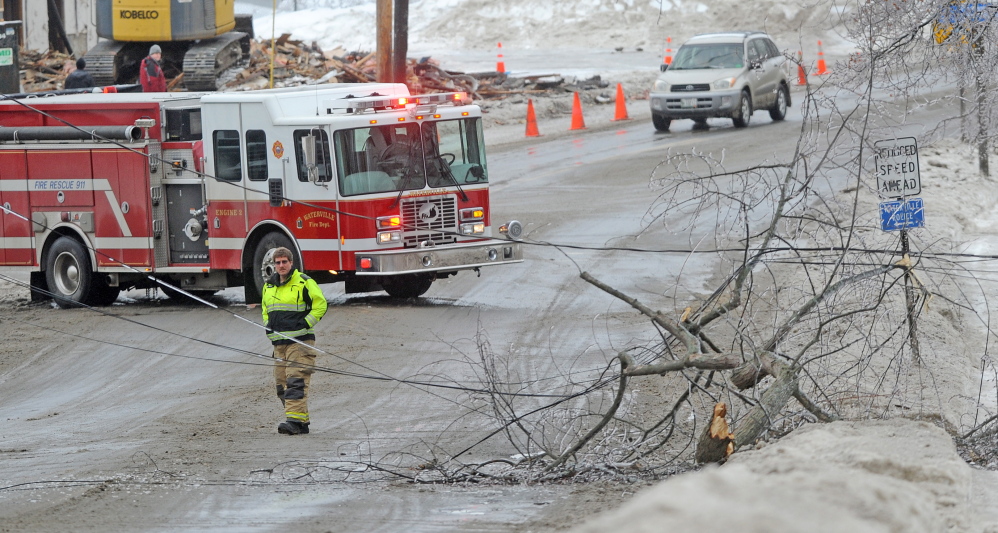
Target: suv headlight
[[661, 86], [726, 83]]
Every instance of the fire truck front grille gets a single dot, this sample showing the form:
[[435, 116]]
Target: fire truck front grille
[[433, 219]]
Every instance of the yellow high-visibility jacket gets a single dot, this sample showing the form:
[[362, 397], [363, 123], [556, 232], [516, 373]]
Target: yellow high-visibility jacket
[[293, 308]]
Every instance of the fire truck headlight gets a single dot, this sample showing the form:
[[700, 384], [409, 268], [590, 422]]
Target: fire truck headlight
[[387, 237], [472, 213], [474, 228]]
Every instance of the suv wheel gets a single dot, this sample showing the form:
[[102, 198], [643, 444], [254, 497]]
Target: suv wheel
[[743, 112], [661, 123], [779, 110]]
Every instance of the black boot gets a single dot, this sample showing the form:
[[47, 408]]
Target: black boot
[[293, 427]]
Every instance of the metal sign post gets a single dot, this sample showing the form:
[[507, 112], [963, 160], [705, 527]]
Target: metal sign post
[[898, 179]]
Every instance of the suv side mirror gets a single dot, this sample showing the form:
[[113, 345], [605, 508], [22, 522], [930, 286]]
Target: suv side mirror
[[663, 67], [755, 65]]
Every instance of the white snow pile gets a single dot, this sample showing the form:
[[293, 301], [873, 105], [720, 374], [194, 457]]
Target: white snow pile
[[529, 24], [854, 477]]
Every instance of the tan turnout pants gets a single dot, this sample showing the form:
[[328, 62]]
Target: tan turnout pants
[[292, 377]]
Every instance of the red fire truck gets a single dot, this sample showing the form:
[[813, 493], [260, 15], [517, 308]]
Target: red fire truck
[[365, 183]]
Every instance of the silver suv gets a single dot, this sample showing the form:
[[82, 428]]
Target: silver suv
[[721, 75]]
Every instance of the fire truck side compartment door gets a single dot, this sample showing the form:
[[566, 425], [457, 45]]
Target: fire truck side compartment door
[[16, 232], [60, 178], [122, 207]]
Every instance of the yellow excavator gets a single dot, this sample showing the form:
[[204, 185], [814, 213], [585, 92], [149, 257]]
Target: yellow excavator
[[199, 38]]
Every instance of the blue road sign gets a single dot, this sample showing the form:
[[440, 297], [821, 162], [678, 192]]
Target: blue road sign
[[902, 214]]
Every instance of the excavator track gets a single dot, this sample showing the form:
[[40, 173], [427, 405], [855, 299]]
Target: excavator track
[[104, 61], [205, 61]]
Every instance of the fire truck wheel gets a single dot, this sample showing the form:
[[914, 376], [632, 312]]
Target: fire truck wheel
[[263, 260], [101, 293], [68, 273], [407, 285]]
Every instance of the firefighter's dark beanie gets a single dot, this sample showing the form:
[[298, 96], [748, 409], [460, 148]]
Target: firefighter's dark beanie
[[155, 49], [81, 64]]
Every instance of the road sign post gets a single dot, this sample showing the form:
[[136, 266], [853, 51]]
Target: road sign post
[[898, 179]]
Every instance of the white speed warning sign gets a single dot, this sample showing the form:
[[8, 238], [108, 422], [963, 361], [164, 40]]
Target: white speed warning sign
[[897, 167]]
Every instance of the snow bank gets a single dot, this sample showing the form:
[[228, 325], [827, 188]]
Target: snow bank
[[874, 476], [528, 24]]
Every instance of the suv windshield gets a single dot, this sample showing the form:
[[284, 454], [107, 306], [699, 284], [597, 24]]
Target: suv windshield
[[717, 55], [410, 156]]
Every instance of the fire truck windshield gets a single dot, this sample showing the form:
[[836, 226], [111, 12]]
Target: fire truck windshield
[[410, 156]]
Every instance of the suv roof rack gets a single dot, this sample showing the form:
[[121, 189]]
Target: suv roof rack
[[744, 34]]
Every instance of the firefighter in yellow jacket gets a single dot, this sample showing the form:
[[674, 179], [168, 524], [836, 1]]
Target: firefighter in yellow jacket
[[292, 306]]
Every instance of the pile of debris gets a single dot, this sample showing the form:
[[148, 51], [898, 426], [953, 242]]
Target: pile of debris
[[44, 71], [297, 63]]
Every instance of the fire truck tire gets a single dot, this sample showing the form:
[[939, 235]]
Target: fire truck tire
[[407, 285], [68, 273], [101, 293], [263, 263]]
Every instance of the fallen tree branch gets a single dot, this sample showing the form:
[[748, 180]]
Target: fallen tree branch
[[626, 361], [692, 343]]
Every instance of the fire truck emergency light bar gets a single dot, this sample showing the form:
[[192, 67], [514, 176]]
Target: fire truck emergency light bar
[[385, 103]]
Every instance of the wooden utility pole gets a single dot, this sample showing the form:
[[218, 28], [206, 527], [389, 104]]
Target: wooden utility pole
[[401, 48], [384, 51]]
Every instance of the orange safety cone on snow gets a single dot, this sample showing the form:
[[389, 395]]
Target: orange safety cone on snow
[[668, 50], [822, 68], [532, 130], [500, 64], [620, 113], [578, 123]]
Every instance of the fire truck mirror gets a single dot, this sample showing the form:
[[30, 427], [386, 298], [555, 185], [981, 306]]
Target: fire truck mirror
[[308, 152]]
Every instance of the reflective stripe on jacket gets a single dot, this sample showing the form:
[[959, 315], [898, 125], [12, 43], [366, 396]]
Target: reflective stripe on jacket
[[293, 308]]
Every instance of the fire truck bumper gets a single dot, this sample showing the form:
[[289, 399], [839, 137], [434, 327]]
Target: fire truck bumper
[[447, 258]]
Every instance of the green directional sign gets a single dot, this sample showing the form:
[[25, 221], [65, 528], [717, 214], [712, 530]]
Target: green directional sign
[[6, 57]]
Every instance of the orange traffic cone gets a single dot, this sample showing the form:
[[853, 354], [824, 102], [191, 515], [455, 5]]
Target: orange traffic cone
[[621, 112], [532, 130], [668, 50], [500, 64], [822, 68], [578, 123]]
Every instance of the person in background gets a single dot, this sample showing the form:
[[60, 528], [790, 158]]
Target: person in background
[[151, 74], [79, 78], [292, 305]]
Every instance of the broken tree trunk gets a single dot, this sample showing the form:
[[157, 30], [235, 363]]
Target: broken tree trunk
[[758, 419], [716, 440]]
